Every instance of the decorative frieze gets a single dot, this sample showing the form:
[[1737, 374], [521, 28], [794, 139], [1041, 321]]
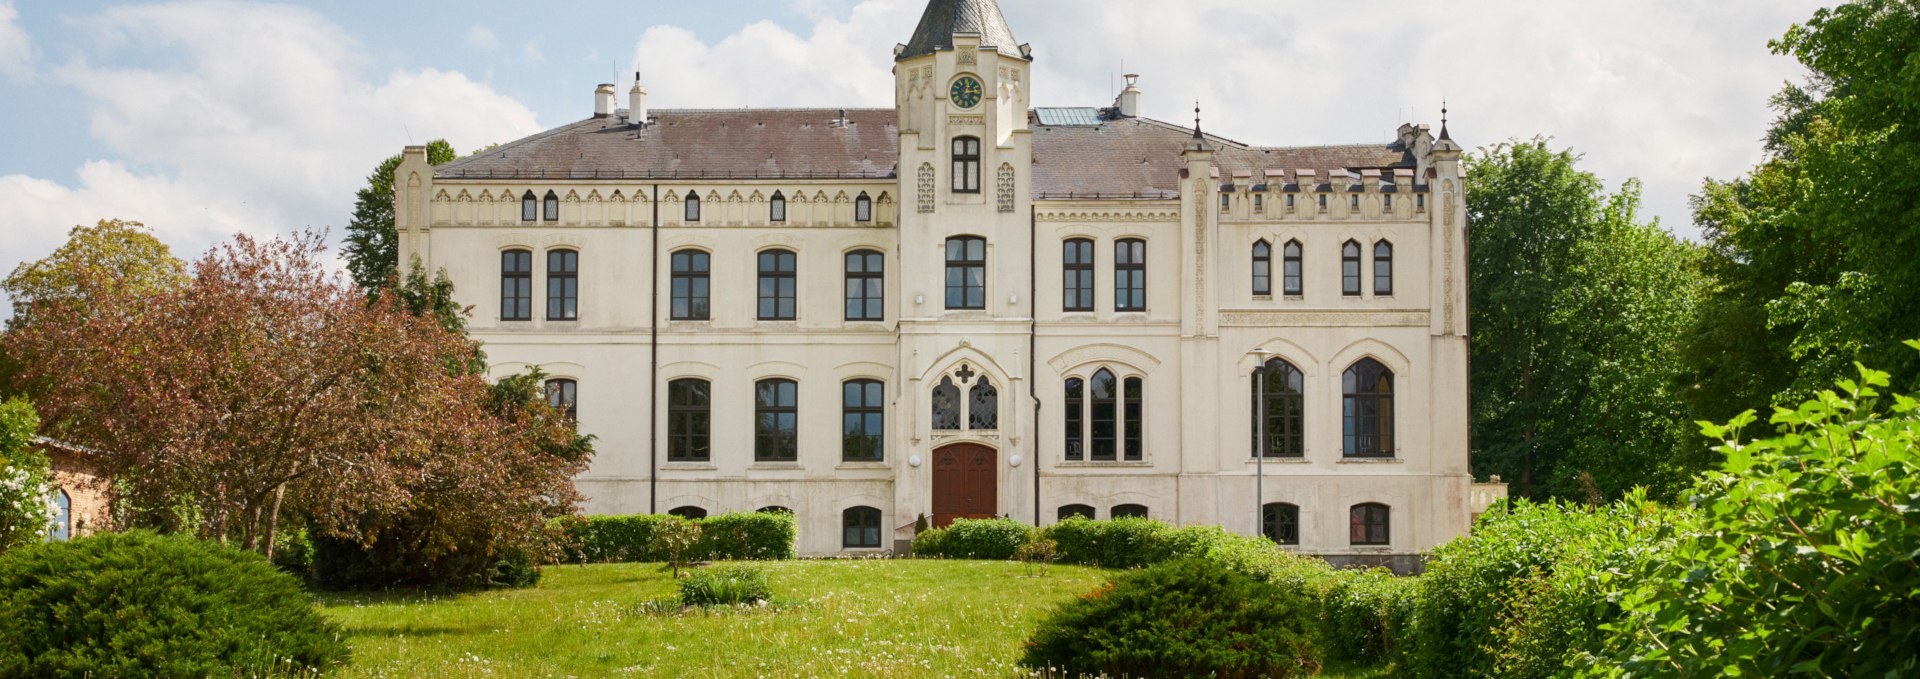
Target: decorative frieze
[[1325, 319], [1163, 216]]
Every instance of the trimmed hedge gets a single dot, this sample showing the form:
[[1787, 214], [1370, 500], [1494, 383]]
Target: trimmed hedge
[[741, 536], [1119, 543], [138, 605], [990, 539]]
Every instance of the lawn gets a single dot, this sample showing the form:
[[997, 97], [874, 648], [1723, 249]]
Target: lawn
[[888, 618]]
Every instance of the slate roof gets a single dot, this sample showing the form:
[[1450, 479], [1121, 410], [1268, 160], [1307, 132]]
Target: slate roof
[[1117, 158], [944, 18]]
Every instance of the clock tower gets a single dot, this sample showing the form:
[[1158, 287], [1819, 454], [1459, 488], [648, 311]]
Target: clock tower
[[966, 156]]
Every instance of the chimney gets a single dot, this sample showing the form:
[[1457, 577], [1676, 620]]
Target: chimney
[[603, 100], [637, 102], [1129, 100]]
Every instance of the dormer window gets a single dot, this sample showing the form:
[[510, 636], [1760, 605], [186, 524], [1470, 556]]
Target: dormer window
[[693, 207], [777, 208], [1353, 202], [1226, 201], [1387, 201], [1289, 202], [1323, 202], [553, 207], [1259, 203], [863, 208]]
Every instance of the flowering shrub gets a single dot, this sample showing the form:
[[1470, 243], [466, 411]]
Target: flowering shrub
[[26, 505]]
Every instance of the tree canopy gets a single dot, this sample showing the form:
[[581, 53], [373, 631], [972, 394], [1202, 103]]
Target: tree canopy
[[373, 244]]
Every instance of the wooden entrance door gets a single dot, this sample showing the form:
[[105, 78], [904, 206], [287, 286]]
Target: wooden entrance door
[[965, 483]]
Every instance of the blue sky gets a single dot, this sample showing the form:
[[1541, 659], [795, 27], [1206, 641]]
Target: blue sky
[[207, 117]]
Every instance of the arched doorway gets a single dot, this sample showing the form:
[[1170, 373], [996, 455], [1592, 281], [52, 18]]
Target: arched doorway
[[965, 483]]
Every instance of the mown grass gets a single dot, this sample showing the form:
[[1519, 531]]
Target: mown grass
[[831, 619]]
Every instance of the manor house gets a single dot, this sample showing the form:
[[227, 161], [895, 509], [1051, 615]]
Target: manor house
[[965, 306]]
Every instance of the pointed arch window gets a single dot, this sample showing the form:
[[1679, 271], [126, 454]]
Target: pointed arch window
[[866, 286], [1104, 397], [516, 285], [563, 285], [1077, 267], [529, 207], [692, 286], [1350, 269], [1292, 270], [1370, 524], [1076, 419], [693, 207], [777, 421], [862, 528], [966, 165], [1368, 410], [62, 527], [1285, 410], [983, 405], [1262, 268], [1130, 275], [777, 208], [552, 207], [564, 396], [863, 208], [1383, 268], [946, 406], [779, 292], [863, 415], [689, 420], [1105, 418], [1280, 522], [967, 273]]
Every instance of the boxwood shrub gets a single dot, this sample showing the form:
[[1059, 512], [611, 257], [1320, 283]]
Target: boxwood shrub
[[758, 536], [138, 604], [1119, 543], [755, 536], [991, 539], [1180, 619]]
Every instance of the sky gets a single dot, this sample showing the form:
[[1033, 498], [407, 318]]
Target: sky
[[203, 118]]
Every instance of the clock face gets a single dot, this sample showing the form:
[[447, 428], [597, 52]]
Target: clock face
[[966, 91]]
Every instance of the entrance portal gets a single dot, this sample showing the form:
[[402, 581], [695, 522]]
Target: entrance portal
[[965, 484]]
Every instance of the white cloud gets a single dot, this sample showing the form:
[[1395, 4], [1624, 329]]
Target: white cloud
[[16, 47], [1667, 92], [483, 39], [531, 51], [267, 129]]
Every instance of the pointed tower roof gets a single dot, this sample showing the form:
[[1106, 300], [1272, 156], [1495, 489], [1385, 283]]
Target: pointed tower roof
[[947, 17]]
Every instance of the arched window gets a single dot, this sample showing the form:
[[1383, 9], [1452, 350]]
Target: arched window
[[564, 396], [1130, 275], [529, 207], [693, 207], [862, 528], [774, 509], [1291, 271], [1285, 410], [776, 421], [689, 512], [62, 529], [692, 286], [1129, 512], [1077, 268], [1104, 393], [1368, 406], [1280, 522], [1072, 511], [778, 285], [553, 207], [863, 416], [1383, 268], [1350, 269], [863, 208], [967, 273], [563, 285], [1262, 268], [689, 420], [1076, 415], [866, 286], [1133, 442], [966, 165], [983, 406], [946, 406], [1369, 524], [516, 285], [777, 208]]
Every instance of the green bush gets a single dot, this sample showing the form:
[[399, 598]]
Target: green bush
[[728, 586], [138, 604], [930, 543], [1183, 618], [347, 565], [749, 536], [1803, 560], [990, 539], [728, 537], [1366, 615], [1119, 543]]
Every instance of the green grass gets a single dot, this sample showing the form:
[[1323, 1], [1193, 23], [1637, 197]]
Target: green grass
[[831, 619]]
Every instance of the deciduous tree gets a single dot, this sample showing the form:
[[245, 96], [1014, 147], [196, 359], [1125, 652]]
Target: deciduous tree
[[373, 243]]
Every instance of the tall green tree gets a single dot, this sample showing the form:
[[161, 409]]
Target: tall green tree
[[1578, 309], [125, 253], [1812, 253], [373, 245]]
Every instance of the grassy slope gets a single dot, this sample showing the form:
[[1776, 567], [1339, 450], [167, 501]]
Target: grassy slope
[[839, 619]]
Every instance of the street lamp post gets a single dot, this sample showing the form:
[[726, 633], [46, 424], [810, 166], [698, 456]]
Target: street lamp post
[[1260, 439]]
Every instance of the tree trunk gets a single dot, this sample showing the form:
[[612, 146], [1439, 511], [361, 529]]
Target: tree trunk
[[273, 517]]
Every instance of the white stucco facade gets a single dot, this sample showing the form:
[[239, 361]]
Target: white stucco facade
[[1200, 209]]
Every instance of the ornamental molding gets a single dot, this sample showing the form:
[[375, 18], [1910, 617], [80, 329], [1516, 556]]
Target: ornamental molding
[[1326, 319], [967, 121], [1168, 216]]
